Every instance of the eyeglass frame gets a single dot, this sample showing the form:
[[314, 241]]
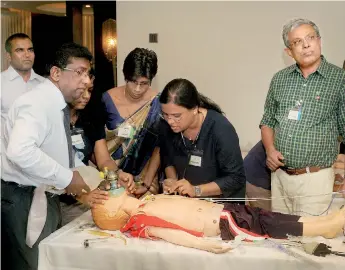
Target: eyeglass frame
[[140, 84], [308, 38], [81, 73], [176, 120]]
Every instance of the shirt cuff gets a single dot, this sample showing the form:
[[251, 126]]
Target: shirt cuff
[[220, 183], [268, 124], [63, 178]]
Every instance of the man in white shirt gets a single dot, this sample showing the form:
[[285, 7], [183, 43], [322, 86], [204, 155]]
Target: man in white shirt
[[36, 157], [19, 77]]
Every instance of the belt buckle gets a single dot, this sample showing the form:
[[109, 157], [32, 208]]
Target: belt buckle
[[291, 171]]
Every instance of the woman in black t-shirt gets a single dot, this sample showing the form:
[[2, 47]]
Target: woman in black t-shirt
[[88, 142], [199, 146]]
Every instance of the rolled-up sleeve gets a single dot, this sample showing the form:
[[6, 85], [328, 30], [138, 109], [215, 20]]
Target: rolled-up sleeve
[[270, 108], [29, 130], [229, 159]]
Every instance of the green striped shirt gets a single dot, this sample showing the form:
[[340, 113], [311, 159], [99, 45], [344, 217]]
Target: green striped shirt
[[312, 140]]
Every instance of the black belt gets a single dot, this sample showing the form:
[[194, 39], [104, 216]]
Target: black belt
[[18, 185], [26, 188]]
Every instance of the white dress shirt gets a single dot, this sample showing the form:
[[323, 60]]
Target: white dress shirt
[[13, 86], [34, 147]]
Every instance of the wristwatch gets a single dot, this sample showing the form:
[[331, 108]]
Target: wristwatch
[[197, 191]]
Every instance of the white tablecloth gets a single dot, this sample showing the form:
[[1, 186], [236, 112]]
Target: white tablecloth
[[64, 250]]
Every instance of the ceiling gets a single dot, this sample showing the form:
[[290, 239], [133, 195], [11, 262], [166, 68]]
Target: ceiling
[[57, 8]]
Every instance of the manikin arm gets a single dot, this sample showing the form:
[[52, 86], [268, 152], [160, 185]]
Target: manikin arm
[[185, 239]]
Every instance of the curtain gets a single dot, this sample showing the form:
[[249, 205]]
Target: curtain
[[13, 21], [88, 31]]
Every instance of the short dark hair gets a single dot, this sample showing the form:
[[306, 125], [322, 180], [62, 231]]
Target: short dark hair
[[140, 63], [8, 43], [66, 52]]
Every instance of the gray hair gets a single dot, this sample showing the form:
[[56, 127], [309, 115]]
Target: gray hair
[[293, 24]]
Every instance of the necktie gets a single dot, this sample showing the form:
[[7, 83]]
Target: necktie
[[38, 210], [66, 122]]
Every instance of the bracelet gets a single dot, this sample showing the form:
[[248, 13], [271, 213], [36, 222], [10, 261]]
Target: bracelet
[[147, 187]]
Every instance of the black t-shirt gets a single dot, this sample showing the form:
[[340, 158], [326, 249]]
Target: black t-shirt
[[218, 146], [90, 131]]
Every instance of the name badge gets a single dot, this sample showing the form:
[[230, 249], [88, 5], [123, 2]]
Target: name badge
[[195, 161], [196, 158], [126, 132], [77, 140], [295, 112], [294, 115]]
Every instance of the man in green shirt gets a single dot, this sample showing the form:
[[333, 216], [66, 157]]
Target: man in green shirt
[[303, 117]]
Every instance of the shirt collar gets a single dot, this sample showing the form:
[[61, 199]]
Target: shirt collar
[[322, 69], [33, 76], [60, 100]]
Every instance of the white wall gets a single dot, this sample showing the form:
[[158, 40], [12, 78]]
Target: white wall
[[230, 50]]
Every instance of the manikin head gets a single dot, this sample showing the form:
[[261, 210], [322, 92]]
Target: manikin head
[[110, 215]]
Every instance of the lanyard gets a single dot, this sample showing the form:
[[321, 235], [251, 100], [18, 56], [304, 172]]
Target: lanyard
[[197, 136], [193, 144]]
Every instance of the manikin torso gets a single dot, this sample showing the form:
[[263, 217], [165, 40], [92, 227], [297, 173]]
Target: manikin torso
[[191, 214]]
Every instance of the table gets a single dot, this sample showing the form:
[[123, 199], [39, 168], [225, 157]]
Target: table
[[64, 250]]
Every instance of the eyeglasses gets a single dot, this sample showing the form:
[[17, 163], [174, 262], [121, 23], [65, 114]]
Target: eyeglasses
[[81, 73], [299, 42], [176, 118], [141, 84]]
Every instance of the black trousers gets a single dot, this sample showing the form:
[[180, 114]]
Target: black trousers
[[15, 206]]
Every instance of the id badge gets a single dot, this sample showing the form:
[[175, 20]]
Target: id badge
[[126, 131], [196, 158], [295, 112], [77, 138]]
